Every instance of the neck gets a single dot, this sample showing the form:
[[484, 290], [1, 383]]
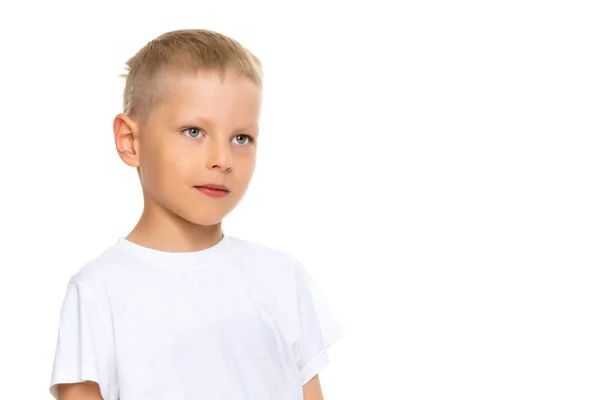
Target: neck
[[163, 230]]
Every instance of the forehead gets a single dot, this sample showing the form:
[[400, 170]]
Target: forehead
[[211, 95]]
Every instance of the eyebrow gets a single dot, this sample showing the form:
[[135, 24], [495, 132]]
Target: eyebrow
[[255, 128]]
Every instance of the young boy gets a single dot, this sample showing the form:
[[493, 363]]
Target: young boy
[[177, 309]]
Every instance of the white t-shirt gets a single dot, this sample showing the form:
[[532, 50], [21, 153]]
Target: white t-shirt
[[236, 321]]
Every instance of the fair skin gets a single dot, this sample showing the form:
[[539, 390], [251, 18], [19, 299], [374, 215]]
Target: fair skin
[[204, 132], [312, 389]]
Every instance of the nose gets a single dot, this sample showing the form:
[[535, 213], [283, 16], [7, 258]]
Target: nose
[[219, 156]]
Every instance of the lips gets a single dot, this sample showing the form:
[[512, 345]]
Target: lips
[[213, 190], [214, 187]]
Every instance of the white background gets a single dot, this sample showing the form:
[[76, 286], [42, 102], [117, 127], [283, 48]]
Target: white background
[[435, 165]]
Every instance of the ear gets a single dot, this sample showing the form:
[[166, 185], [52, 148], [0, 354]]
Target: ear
[[126, 140]]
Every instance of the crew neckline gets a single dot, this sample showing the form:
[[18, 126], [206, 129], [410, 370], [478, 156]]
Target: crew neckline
[[199, 259]]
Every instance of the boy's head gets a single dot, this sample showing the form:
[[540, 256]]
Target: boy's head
[[191, 108]]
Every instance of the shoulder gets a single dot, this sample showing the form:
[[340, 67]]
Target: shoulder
[[97, 273], [264, 254], [274, 266]]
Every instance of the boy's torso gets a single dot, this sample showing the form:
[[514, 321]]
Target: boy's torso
[[216, 331]]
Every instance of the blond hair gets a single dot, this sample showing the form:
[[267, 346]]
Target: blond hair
[[186, 50]]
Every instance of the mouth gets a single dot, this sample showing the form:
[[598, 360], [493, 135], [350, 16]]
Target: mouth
[[213, 190]]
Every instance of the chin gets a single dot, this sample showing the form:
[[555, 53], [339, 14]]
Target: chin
[[205, 217], [205, 220]]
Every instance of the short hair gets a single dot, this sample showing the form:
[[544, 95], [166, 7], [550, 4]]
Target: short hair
[[185, 50]]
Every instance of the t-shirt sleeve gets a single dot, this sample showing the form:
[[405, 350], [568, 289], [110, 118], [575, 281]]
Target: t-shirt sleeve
[[84, 345], [318, 326]]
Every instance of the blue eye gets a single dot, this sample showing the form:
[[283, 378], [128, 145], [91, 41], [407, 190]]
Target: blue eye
[[248, 138], [193, 132]]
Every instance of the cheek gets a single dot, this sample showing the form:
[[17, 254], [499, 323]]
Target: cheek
[[245, 166], [165, 165]]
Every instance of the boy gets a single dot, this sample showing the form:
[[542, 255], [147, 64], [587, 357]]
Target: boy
[[177, 309]]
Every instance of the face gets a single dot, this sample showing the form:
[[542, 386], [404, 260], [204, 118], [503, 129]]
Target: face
[[204, 132]]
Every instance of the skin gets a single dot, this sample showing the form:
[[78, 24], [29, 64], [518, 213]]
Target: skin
[[204, 131], [79, 391], [312, 389]]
